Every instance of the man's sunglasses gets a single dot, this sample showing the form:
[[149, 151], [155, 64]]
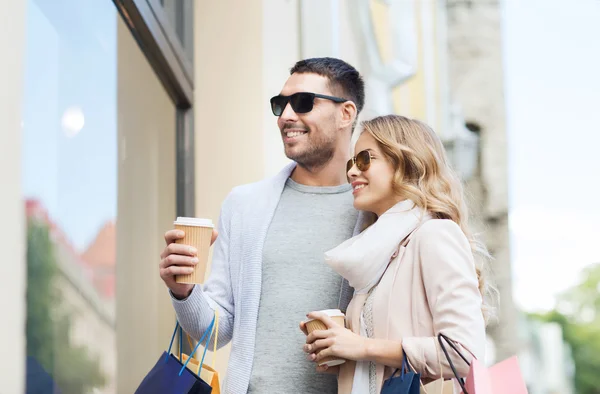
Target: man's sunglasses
[[301, 103], [362, 161]]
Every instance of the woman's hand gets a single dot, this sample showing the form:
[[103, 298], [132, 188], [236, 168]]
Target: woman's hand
[[320, 368], [335, 341]]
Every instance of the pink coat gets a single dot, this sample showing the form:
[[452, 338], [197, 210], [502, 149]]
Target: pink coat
[[430, 287]]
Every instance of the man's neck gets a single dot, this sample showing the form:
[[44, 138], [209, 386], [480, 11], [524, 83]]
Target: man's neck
[[331, 174]]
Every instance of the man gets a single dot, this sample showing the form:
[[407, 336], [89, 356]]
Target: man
[[268, 270]]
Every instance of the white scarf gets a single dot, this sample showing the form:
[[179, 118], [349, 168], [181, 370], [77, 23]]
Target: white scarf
[[363, 259]]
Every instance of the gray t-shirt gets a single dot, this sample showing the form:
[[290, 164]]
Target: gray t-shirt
[[308, 221]]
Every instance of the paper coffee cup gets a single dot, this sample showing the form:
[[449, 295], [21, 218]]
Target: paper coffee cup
[[315, 324], [197, 234]]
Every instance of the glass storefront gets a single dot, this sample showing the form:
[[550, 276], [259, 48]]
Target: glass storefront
[[98, 163], [180, 16], [69, 162]]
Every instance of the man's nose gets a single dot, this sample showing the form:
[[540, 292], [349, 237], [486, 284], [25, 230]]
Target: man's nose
[[288, 113]]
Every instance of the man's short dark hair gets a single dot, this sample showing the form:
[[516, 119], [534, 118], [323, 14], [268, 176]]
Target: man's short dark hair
[[345, 80]]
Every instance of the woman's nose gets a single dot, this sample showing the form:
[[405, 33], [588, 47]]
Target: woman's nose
[[353, 172]]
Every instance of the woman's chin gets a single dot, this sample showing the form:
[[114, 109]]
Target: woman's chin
[[360, 204]]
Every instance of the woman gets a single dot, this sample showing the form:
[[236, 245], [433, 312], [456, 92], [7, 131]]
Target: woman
[[413, 269]]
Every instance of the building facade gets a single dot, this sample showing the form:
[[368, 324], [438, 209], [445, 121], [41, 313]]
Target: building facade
[[477, 84], [135, 114]]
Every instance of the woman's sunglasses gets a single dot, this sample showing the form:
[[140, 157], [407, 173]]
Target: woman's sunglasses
[[362, 161], [301, 103]]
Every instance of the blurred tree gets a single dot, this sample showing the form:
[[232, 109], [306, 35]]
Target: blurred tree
[[48, 327], [577, 312]]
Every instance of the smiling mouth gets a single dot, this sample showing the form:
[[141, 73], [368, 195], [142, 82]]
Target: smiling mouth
[[291, 135], [294, 133], [358, 188]]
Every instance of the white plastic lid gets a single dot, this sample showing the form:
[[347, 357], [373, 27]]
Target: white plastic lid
[[331, 313], [198, 222]]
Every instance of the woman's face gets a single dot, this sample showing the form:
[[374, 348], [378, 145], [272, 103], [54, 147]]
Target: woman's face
[[372, 188]]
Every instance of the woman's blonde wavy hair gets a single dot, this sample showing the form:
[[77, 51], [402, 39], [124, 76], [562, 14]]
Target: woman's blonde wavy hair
[[424, 175]]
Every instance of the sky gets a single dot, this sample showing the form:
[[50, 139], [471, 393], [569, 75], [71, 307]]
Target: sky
[[552, 81], [70, 162]]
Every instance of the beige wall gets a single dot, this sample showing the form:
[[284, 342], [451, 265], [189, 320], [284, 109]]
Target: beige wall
[[280, 50], [228, 110], [237, 140], [12, 230], [146, 208]]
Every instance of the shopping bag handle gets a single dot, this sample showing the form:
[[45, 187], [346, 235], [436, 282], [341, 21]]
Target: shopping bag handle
[[216, 331], [405, 367], [453, 346], [214, 360], [209, 330], [171, 343]]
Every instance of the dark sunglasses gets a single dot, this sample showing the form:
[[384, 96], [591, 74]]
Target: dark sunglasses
[[362, 161], [301, 103]]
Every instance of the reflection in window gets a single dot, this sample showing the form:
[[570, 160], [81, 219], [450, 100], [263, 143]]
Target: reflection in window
[[70, 195], [180, 14]]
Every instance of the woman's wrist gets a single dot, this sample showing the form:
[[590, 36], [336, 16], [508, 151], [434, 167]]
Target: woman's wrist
[[370, 349], [382, 351]]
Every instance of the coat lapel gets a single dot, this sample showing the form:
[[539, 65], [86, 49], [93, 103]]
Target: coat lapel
[[381, 312], [257, 229], [346, 376], [252, 243]]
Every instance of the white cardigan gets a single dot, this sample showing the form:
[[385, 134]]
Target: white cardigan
[[234, 284]]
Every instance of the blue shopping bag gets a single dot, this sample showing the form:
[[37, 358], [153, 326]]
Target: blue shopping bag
[[407, 383], [169, 376]]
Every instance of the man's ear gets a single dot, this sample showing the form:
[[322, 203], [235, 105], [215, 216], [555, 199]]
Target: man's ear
[[349, 114]]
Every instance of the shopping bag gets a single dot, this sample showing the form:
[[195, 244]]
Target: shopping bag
[[170, 376], [406, 383], [211, 376], [206, 372], [439, 386], [502, 378], [37, 380]]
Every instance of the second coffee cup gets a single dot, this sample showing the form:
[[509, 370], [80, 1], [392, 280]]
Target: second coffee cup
[[315, 324]]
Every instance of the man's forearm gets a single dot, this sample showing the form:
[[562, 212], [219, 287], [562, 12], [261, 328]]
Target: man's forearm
[[181, 296]]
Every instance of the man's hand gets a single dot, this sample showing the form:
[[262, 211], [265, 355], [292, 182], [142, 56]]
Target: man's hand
[[178, 259]]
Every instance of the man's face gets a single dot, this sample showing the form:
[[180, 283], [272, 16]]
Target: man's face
[[310, 139]]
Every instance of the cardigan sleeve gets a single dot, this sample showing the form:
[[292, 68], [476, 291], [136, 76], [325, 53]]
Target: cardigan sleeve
[[196, 312], [451, 285]]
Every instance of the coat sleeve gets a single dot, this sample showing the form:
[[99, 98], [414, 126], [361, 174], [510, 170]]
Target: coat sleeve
[[196, 312], [451, 285]]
